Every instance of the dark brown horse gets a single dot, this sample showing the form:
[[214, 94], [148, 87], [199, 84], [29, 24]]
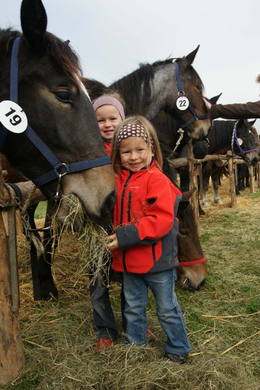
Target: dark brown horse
[[61, 150]]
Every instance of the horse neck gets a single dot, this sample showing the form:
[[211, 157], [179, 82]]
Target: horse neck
[[146, 90]]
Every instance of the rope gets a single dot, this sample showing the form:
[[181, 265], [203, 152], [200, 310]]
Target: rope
[[27, 202]]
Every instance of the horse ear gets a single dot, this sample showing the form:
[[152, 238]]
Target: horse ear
[[214, 99], [252, 122], [188, 60], [187, 195], [33, 22]]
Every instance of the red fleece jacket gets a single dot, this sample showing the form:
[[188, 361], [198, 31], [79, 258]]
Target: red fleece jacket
[[146, 226]]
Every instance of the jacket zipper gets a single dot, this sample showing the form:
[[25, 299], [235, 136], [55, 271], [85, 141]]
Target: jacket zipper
[[121, 214]]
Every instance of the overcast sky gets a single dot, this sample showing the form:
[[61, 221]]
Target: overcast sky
[[112, 37]]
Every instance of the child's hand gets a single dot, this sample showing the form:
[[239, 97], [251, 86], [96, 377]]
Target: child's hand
[[113, 243]]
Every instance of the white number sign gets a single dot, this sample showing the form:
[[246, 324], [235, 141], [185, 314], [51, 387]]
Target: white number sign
[[182, 103], [12, 117]]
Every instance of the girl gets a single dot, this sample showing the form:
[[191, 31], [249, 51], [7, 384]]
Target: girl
[[144, 246], [109, 111]]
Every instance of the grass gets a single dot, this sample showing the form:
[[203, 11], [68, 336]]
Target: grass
[[223, 319], [40, 211]]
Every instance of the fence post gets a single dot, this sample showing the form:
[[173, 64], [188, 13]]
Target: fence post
[[232, 182], [11, 347]]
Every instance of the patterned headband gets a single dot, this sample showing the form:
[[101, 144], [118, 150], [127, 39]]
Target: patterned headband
[[104, 100], [133, 130]]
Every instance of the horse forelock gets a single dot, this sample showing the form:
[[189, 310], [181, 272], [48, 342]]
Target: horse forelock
[[60, 51], [187, 217], [65, 58]]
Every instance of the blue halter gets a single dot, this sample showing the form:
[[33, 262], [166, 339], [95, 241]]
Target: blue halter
[[40, 145], [181, 92]]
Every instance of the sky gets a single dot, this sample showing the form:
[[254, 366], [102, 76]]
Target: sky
[[112, 37]]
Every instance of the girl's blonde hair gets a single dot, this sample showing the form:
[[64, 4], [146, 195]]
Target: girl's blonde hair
[[152, 141]]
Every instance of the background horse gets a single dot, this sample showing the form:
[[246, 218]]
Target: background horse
[[243, 175], [46, 77], [155, 88], [225, 136]]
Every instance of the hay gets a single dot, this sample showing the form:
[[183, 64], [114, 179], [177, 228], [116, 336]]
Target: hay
[[94, 256], [222, 318]]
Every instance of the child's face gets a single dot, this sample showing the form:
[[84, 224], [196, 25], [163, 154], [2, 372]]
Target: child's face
[[108, 118], [134, 153]]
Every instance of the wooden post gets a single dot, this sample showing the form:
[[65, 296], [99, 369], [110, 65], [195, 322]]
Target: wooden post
[[251, 179], [193, 182], [258, 174], [232, 182], [11, 347]]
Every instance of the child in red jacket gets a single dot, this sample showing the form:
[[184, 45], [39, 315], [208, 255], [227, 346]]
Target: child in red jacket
[[144, 246]]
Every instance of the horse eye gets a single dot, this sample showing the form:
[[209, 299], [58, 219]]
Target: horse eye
[[63, 96], [183, 232]]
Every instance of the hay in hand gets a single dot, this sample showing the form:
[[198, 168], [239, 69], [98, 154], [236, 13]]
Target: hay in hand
[[95, 257]]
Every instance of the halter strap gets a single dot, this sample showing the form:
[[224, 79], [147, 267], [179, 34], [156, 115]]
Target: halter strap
[[36, 140], [182, 93], [194, 262]]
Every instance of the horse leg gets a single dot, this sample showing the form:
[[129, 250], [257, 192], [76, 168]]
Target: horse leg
[[215, 185], [34, 257], [47, 285]]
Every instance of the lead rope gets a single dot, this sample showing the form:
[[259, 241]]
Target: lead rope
[[181, 132]]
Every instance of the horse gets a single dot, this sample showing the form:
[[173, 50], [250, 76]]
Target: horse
[[243, 176], [160, 87], [44, 102], [236, 136]]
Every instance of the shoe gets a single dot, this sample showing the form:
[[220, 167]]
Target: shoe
[[150, 335], [181, 359], [102, 344]]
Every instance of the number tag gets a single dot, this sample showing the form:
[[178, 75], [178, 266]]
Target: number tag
[[12, 117], [182, 103]]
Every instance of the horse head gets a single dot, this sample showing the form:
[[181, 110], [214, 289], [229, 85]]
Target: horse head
[[192, 270], [190, 112], [64, 153], [244, 141]]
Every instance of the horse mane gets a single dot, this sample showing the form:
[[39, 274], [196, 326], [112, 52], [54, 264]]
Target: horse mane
[[60, 51], [64, 56], [137, 83], [131, 86], [95, 88], [221, 131]]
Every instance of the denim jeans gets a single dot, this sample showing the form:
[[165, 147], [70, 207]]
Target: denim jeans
[[103, 316], [168, 311]]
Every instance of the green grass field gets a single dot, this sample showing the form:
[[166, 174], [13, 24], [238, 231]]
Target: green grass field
[[223, 319]]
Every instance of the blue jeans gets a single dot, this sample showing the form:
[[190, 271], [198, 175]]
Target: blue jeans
[[168, 311], [103, 316]]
